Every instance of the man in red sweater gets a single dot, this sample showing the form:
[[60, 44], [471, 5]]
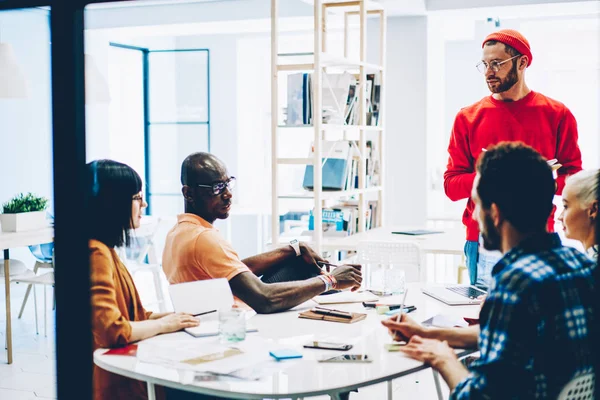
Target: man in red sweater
[[513, 112]]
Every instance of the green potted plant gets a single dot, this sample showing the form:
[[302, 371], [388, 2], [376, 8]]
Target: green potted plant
[[24, 212]]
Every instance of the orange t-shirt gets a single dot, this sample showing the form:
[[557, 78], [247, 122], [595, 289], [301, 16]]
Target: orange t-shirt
[[195, 251]]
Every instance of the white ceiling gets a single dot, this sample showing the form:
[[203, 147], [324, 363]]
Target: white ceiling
[[392, 7], [189, 17]]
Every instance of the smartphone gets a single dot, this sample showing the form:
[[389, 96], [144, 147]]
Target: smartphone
[[328, 346], [352, 358]]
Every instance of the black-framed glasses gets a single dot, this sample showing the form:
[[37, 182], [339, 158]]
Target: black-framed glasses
[[138, 197], [219, 187], [493, 65]]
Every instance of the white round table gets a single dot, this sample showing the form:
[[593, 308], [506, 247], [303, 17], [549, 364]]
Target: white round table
[[297, 378]]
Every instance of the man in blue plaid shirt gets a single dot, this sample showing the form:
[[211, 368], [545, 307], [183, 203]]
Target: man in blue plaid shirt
[[536, 322]]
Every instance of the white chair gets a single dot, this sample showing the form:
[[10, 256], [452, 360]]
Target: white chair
[[142, 257], [379, 258], [43, 260], [31, 278], [579, 388]]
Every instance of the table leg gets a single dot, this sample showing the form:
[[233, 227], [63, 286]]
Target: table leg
[[7, 298], [151, 392], [438, 387], [390, 390]]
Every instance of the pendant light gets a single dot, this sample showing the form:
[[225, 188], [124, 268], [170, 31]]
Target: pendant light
[[96, 87], [13, 84]]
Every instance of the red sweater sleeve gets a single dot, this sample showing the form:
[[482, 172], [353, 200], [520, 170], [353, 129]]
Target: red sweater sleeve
[[567, 151], [460, 172]]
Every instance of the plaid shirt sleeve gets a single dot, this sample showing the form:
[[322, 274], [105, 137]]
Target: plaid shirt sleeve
[[507, 326]]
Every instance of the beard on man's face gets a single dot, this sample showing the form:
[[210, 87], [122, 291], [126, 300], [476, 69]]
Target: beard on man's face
[[505, 84], [490, 235]]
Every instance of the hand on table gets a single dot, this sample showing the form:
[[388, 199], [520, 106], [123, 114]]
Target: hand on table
[[177, 321], [403, 330], [430, 351]]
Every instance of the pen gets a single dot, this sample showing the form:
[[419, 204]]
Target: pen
[[335, 313], [398, 318], [325, 263], [204, 313], [390, 306]]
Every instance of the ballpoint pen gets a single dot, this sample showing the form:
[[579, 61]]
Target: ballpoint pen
[[399, 317]]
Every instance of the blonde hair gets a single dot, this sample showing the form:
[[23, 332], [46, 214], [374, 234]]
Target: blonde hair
[[585, 186]]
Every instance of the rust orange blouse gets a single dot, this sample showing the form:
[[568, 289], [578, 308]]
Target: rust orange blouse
[[115, 302]]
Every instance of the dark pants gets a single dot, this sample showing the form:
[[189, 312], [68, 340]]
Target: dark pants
[[292, 270]]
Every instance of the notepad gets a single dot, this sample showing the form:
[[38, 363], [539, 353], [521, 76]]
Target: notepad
[[346, 297], [312, 315], [445, 321]]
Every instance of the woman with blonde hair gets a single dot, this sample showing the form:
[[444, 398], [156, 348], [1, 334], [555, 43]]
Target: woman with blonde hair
[[580, 213]]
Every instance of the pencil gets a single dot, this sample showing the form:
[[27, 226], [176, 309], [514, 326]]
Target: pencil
[[402, 306]]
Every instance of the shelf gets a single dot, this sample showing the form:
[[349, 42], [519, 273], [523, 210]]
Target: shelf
[[345, 243], [332, 194], [323, 60], [295, 161], [336, 127], [327, 61]]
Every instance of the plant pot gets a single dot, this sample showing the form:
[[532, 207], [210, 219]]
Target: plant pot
[[23, 221]]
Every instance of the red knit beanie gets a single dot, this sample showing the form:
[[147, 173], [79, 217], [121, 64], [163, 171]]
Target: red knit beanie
[[513, 39]]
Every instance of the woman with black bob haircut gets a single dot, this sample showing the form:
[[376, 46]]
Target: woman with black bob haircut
[[118, 317]]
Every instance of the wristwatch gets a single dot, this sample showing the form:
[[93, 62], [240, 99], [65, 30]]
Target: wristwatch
[[296, 246]]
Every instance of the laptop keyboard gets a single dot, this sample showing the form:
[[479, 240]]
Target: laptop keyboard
[[466, 291]]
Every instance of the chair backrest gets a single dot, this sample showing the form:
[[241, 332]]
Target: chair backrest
[[579, 388], [142, 244], [402, 255], [43, 252]]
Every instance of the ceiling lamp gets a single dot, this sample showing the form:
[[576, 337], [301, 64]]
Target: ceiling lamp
[[96, 87], [13, 84]]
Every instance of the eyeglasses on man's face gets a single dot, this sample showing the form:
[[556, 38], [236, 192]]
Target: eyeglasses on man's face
[[493, 65], [218, 188]]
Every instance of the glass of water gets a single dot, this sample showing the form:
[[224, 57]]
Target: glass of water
[[394, 279], [232, 325]]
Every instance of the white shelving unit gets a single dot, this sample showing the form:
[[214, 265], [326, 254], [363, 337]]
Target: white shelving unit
[[321, 60]]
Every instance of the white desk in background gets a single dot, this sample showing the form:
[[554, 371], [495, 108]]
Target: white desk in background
[[10, 240], [450, 241], [294, 378]]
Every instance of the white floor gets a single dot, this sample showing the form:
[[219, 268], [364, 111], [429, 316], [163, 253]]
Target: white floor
[[33, 372]]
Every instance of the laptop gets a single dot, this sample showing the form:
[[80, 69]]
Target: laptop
[[455, 295], [204, 299]]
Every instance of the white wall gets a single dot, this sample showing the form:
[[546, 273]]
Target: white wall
[[25, 124], [406, 121]]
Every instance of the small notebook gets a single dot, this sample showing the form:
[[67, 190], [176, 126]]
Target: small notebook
[[313, 315]]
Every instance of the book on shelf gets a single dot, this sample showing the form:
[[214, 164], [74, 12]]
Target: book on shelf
[[343, 219], [340, 166], [340, 99], [299, 102], [335, 159]]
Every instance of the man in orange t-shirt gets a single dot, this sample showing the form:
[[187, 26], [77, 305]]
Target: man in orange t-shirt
[[194, 249]]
